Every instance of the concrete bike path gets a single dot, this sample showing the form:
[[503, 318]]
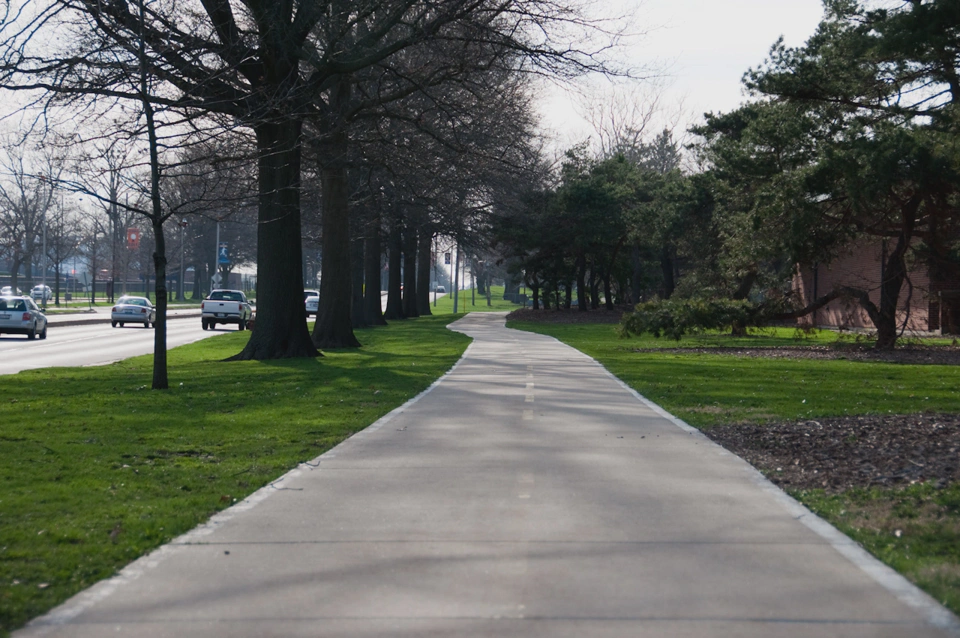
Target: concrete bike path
[[528, 493]]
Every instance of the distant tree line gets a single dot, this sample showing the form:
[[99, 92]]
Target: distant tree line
[[853, 135]]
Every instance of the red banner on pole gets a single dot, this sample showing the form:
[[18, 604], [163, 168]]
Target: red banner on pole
[[133, 238]]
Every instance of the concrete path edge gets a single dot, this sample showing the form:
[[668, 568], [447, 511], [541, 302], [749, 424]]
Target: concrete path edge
[[905, 591], [908, 593], [83, 600]]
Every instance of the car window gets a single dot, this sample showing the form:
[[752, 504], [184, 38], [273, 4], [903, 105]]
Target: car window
[[32, 304], [20, 305]]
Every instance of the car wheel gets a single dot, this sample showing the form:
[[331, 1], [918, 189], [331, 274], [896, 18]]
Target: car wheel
[[121, 324], [113, 323], [43, 333], [204, 324], [146, 324], [243, 324], [33, 333]]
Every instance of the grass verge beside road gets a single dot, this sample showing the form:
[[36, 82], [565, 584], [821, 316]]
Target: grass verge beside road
[[96, 469], [914, 528]]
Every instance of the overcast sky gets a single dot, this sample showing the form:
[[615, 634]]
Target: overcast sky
[[705, 47]]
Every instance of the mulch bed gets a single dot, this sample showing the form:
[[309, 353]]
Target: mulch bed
[[840, 453], [834, 454]]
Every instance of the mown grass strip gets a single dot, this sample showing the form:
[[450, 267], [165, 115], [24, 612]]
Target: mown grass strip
[[915, 530], [706, 390], [473, 301], [96, 469]]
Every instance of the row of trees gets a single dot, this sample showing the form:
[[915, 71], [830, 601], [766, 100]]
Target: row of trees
[[40, 206], [299, 83], [849, 137]]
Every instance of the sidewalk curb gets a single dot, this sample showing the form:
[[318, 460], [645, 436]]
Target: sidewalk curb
[[105, 318]]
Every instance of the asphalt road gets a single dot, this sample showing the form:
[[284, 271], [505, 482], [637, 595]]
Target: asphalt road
[[528, 493], [93, 342]]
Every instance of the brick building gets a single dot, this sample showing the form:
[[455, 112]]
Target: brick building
[[929, 300]]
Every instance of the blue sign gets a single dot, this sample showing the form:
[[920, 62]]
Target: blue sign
[[222, 256]]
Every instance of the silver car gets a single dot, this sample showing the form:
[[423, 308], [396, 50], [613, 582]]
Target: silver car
[[311, 300], [41, 293], [20, 315], [133, 310]]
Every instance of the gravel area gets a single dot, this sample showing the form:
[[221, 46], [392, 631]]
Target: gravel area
[[840, 453]]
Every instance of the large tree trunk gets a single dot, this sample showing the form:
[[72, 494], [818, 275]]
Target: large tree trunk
[[281, 327], [666, 268], [410, 272], [372, 306], [394, 266], [424, 264], [594, 285], [894, 274], [607, 291], [197, 290], [636, 274], [358, 315], [160, 379], [581, 284], [334, 326]]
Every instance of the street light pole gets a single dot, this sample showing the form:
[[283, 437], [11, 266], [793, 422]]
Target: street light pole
[[216, 258], [183, 227]]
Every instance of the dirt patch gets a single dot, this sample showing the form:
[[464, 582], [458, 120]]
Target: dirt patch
[[573, 315], [840, 453]]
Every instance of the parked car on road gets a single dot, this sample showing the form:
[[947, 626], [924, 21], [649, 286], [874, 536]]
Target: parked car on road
[[20, 315], [8, 291], [41, 293], [225, 306], [133, 310], [311, 300]]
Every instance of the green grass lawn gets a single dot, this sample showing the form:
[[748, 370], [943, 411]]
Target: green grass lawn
[[96, 469], [473, 301], [915, 530], [705, 390]]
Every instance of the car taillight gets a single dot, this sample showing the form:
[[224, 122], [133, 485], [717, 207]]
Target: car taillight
[[143, 311], [27, 316], [201, 306], [114, 309]]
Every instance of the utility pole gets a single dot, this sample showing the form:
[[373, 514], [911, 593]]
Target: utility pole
[[216, 258], [456, 275], [183, 227]]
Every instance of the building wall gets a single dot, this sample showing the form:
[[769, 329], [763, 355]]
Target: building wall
[[860, 267]]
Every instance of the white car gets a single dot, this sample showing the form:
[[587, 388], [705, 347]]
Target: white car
[[311, 301], [20, 315], [8, 291], [133, 310], [41, 293]]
